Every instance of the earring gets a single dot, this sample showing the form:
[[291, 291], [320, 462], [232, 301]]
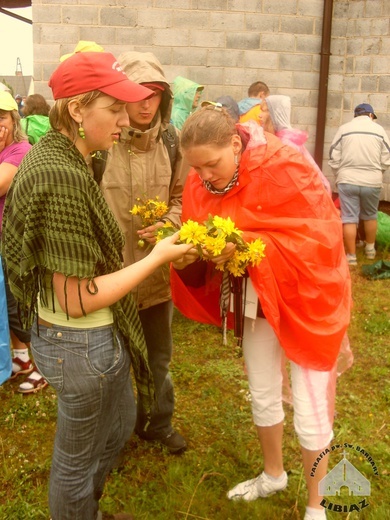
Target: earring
[[236, 160], [81, 131]]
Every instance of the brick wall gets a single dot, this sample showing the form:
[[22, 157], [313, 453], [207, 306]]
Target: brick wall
[[227, 44]]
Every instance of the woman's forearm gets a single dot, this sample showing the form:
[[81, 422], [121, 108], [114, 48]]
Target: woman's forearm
[[107, 289], [103, 291]]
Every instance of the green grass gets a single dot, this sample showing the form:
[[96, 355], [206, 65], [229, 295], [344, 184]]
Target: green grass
[[213, 413]]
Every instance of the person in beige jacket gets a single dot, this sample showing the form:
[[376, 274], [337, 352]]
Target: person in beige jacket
[[139, 166]]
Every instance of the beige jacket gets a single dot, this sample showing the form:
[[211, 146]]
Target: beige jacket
[[139, 166]]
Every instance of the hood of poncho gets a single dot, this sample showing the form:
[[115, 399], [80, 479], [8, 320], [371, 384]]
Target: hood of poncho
[[144, 67], [280, 111], [184, 91]]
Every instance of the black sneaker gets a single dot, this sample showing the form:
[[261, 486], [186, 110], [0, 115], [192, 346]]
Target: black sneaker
[[175, 443]]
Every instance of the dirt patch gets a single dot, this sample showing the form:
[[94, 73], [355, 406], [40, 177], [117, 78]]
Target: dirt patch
[[384, 206]]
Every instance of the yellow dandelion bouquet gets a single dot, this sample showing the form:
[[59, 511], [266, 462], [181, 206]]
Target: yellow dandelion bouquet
[[150, 211], [212, 236]]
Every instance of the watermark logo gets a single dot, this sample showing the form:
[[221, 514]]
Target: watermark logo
[[344, 476]]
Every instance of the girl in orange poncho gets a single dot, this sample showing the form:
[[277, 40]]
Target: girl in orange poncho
[[303, 285]]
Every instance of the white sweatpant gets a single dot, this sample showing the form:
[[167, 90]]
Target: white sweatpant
[[263, 358]]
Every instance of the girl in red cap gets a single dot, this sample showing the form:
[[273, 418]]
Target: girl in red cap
[[63, 250]]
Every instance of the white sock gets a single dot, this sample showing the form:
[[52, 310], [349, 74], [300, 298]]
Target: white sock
[[274, 479], [316, 514], [22, 354], [369, 247], [35, 375]]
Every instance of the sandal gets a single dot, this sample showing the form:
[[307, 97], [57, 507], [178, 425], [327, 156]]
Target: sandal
[[25, 367], [32, 385]]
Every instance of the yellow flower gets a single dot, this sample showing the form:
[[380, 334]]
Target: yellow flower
[[226, 225], [255, 251], [136, 210], [211, 236], [192, 232], [157, 208], [236, 265], [165, 231], [215, 244], [149, 210]]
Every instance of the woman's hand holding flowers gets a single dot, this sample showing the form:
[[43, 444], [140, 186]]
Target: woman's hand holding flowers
[[188, 258], [150, 211], [167, 250], [220, 241], [221, 258], [149, 234]]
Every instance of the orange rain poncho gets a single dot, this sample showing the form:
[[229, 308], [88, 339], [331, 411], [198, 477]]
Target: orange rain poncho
[[303, 283]]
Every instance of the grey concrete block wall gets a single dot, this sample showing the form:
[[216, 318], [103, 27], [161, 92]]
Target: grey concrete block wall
[[227, 44], [366, 71]]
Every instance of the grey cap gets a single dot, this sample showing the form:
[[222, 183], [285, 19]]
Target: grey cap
[[231, 106]]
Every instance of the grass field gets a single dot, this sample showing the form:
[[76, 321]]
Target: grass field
[[213, 413]]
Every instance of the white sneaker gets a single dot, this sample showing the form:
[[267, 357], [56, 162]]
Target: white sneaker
[[370, 253], [261, 486], [351, 259], [308, 516]]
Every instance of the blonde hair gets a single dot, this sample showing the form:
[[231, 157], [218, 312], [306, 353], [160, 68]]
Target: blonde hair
[[18, 134], [208, 125], [60, 118]]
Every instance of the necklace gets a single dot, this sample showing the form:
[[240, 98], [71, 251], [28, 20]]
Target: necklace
[[209, 187]]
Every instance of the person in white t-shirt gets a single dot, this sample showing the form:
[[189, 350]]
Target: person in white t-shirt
[[360, 153]]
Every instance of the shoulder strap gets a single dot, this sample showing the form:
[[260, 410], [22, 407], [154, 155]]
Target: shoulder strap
[[171, 142], [99, 160], [26, 130]]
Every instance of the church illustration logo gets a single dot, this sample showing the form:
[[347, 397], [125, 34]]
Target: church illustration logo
[[344, 477]]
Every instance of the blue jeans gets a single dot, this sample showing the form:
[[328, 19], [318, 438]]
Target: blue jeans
[[96, 412], [156, 323]]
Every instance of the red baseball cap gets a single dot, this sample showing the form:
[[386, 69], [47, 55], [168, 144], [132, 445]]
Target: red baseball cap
[[149, 84], [87, 71]]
